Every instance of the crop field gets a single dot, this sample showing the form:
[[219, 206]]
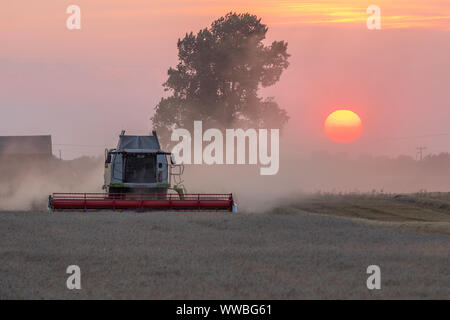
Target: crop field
[[314, 247], [428, 212]]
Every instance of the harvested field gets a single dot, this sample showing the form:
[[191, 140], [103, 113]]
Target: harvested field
[[293, 255], [427, 212]]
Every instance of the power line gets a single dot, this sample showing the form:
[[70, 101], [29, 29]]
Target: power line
[[79, 145], [414, 137], [380, 139], [424, 136], [420, 151]]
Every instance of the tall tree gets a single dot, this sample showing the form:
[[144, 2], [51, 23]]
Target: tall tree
[[218, 76]]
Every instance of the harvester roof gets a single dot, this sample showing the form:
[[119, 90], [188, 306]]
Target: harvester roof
[[138, 143]]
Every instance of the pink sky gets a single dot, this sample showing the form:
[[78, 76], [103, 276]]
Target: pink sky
[[84, 86]]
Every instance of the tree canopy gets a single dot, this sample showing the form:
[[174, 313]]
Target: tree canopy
[[218, 76]]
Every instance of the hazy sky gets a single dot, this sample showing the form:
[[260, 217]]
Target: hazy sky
[[84, 86]]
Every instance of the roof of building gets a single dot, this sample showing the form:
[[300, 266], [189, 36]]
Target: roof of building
[[26, 145]]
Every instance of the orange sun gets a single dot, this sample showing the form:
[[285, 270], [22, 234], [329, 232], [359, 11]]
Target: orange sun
[[343, 126]]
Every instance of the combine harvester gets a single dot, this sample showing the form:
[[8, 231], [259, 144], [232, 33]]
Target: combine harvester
[[141, 177]]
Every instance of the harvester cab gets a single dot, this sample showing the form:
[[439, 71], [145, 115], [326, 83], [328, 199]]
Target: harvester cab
[[138, 165]]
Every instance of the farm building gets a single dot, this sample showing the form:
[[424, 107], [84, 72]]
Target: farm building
[[19, 146]]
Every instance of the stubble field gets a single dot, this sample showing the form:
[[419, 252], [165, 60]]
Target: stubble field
[[285, 253]]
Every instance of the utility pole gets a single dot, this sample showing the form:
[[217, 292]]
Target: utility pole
[[420, 152]]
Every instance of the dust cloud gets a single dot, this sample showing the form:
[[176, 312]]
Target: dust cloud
[[27, 181], [318, 173]]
